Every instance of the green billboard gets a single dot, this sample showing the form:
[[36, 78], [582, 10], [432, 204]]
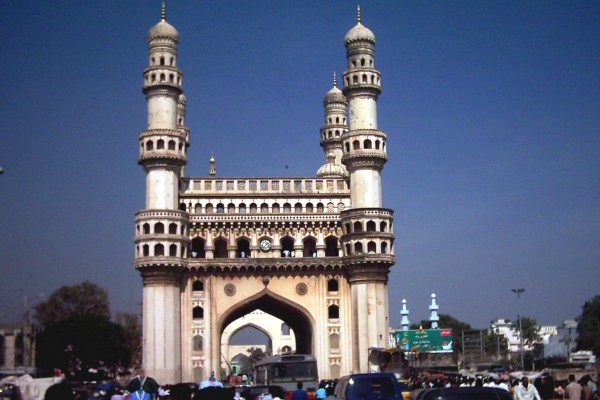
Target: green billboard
[[425, 340]]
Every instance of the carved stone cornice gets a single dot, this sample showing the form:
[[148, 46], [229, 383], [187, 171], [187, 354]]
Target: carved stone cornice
[[161, 275]]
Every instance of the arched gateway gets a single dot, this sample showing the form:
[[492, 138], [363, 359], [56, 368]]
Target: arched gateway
[[314, 252]]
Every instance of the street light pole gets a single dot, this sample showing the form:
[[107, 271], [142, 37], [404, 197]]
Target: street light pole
[[518, 292]]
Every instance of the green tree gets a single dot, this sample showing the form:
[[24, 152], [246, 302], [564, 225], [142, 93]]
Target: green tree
[[81, 342], [588, 326], [86, 298], [494, 344], [448, 322], [132, 327], [531, 331]]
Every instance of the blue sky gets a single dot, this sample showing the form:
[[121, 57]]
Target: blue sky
[[492, 111]]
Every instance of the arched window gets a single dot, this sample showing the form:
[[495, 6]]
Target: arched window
[[333, 312], [159, 228], [198, 250], [198, 208], [330, 207], [198, 312], [348, 228], [371, 247], [242, 208], [333, 285], [173, 250], [320, 207], [285, 329], [371, 226], [149, 145], [253, 208], [146, 250], [287, 208], [309, 207], [384, 248], [198, 286], [298, 208], [243, 248], [331, 246], [358, 227], [383, 227], [220, 208], [172, 145], [182, 207], [286, 350], [356, 145], [264, 208], [198, 343], [209, 208], [275, 208], [367, 144], [146, 228], [310, 247], [358, 248], [159, 250], [377, 144], [287, 246], [172, 228], [231, 208], [347, 147], [348, 252], [220, 248], [362, 62]]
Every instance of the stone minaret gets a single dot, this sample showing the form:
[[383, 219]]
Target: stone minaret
[[331, 134], [368, 235], [404, 322], [434, 317], [161, 228]]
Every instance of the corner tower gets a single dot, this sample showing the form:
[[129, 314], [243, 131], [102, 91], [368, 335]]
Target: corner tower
[[368, 235], [161, 228]]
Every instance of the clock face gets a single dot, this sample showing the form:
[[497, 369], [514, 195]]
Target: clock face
[[265, 245]]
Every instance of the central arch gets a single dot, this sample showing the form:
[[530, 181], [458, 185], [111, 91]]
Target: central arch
[[295, 315]]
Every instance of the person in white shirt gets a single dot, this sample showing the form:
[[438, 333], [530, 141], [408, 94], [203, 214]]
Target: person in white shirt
[[525, 391]]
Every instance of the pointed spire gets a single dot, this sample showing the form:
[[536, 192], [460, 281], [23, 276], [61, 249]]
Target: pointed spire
[[358, 19], [163, 11], [334, 80]]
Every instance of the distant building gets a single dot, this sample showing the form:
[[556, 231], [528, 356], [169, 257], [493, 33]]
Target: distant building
[[17, 350]]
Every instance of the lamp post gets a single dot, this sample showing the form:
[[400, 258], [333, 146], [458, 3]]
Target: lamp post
[[518, 292], [29, 334]]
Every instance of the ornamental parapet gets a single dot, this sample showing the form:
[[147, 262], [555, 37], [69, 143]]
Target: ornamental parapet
[[367, 235], [283, 266], [265, 186], [365, 134], [264, 219], [160, 214], [359, 213]]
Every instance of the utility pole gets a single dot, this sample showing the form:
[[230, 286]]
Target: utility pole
[[519, 292]]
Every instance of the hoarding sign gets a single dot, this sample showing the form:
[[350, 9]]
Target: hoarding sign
[[425, 340]]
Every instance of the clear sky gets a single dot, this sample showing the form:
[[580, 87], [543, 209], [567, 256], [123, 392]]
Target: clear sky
[[492, 111]]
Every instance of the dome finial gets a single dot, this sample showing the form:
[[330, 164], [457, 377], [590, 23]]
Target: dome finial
[[334, 80], [358, 19], [163, 11]]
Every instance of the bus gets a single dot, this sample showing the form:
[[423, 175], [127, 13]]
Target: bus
[[286, 370]]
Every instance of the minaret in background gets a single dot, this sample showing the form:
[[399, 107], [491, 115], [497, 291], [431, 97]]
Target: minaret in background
[[161, 228], [331, 134], [368, 235], [404, 322], [433, 317]]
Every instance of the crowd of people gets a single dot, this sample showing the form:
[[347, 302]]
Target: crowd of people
[[543, 387]]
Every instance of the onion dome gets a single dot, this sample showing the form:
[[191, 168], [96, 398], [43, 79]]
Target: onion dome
[[331, 169], [359, 32], [335, 95], [163, 29]]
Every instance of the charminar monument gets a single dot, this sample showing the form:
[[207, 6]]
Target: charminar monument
[[314, 252]]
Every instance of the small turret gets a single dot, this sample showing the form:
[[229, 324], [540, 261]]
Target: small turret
[[404, 313]]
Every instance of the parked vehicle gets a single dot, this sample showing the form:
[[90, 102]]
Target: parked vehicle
[[376, 386], [464, 393]]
